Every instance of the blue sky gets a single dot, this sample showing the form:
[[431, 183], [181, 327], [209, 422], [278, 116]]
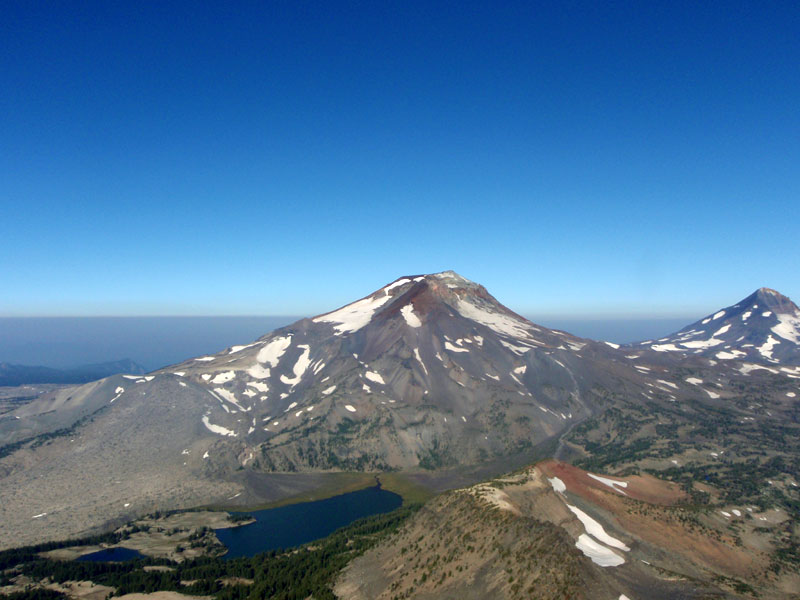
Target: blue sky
[[288, 157]]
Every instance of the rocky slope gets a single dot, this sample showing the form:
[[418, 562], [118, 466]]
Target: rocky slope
[[555, 531]]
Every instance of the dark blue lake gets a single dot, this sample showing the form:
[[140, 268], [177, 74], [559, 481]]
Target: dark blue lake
[[297, 524], [112, 555]]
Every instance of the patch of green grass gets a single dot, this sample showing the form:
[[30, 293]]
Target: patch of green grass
[[335, 484], [411, 492]]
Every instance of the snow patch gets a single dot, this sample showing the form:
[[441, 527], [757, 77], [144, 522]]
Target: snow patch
[[732, 355], [701, 344], [766, 348], [227, 395], [223, 377], [596, 530], [747, 367], [501, 323], [235, 349], [793, 372], [299, 367], [721, 330], [665, 348], [272, 352], [599, 554], [354, 316], [416, 354], [397, 283], [350, 408], [218, 429], [612, 483], [376, 377], [410, 316], [558, 484], [258, 372], [261, 387], [520, 350], [788, 328], [452, 348]]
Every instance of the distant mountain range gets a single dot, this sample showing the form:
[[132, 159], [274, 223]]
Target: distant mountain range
[[11, 375]]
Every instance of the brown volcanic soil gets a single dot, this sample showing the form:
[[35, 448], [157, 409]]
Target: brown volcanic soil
[[644, 488], [686, 539]]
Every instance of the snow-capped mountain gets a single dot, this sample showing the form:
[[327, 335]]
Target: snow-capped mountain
[[764, 327], [412, 374], [429, 371]]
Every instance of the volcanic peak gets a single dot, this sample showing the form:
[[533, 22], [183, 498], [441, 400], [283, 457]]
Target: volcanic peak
[[445, 292], [773, 300], [764, 327]]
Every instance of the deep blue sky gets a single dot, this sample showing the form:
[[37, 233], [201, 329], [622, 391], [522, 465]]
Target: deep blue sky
[[160, 158]]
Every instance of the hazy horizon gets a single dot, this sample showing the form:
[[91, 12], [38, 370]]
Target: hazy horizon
[[155, 342]]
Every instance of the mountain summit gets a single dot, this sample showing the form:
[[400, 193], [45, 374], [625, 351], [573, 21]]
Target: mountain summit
[[764, 328], [427, 299], [412, 374]]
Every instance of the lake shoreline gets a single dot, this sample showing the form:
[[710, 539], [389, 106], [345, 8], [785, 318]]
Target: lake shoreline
[[294, 525]]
